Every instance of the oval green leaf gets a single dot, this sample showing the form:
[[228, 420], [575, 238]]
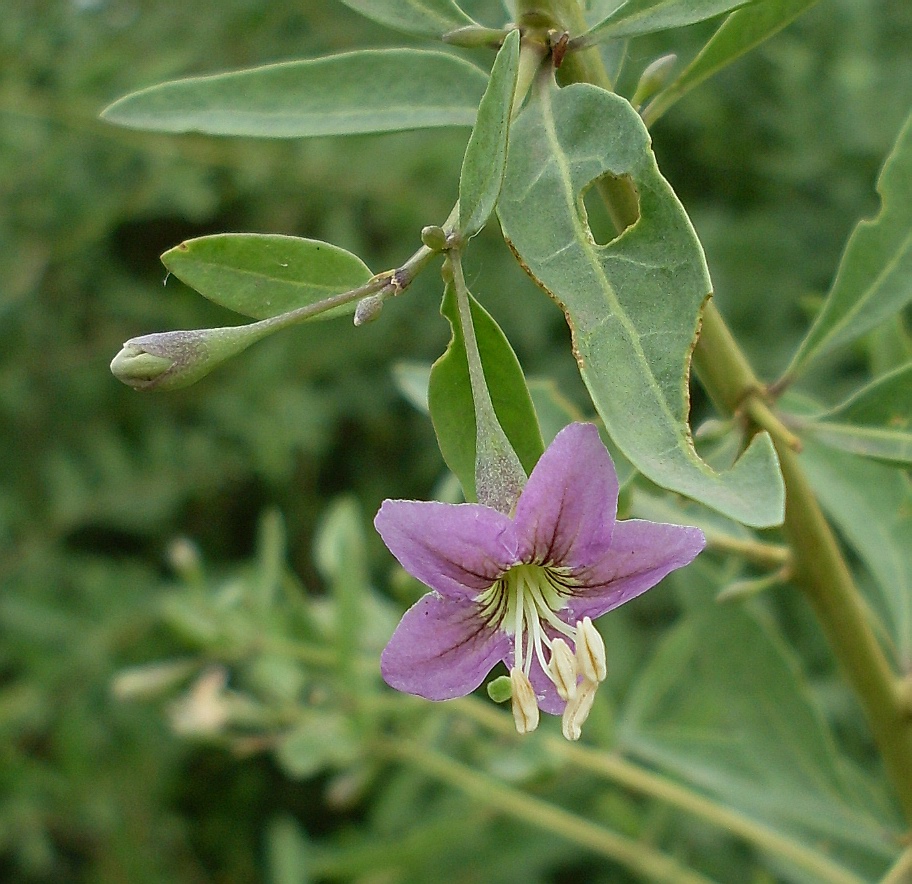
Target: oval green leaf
[[450, 396], [875, 422], [263, 275], [647, 16], [384, 90], [874, 279], [633, 305], [486, 155], [428, 18]]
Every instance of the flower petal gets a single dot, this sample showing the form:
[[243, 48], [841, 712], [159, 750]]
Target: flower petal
[[566, 512], [441, 649], [641, 554], [457, 549]]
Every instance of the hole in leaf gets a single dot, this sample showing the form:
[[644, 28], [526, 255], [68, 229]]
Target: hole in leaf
[[602, 226]]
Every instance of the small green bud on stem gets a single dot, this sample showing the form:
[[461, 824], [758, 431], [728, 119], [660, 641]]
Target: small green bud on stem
[[653, 79]]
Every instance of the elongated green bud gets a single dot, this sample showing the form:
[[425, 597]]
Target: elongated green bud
[[653, 79], [473, 36], [172, 360]]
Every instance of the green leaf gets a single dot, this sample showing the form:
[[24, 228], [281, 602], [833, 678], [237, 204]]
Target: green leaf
[[263, 275], [450, 396], [633, 305], [871, 504], [486, 155], [874, 279], [875, 422], [740, 32], [429, 18], [288, 852], [724, 707], [383, 90], [647, 16]]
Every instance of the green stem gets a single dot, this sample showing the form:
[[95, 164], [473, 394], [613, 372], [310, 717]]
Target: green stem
[[635, 855], [820, 569], [627, 774]]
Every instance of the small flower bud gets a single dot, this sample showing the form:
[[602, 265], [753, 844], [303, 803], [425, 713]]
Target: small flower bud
[[590, 652], [653, 79], [368, 309], [577, 710], [500, 689], [562, 669], [435, 238], [525, 704]]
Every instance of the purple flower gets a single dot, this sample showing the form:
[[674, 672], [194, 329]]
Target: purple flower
[[525, 589]]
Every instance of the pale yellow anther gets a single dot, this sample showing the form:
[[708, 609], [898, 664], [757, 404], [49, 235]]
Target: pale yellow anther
[[524, 702], [578, 709], [562, 669], [590, 652]]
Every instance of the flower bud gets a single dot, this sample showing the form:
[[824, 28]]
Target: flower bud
[[525, 703], [562, 669], [434, 237], [590, 652], [368, 309], [172, 360], [653, 79]]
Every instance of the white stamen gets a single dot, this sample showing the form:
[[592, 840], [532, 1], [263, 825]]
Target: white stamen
[[577, 710], [590, 652], [562, 669], [524, 702]]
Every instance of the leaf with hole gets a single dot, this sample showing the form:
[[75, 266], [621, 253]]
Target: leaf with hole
[[263, 275], [371, 90], [633, 305]]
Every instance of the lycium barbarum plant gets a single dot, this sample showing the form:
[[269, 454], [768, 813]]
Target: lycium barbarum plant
[[520, 572]]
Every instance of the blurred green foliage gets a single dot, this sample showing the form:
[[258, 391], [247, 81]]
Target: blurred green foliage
[[775, 159]]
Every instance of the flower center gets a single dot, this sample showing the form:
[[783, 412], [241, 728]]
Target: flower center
[[524, 599], [525, 603]]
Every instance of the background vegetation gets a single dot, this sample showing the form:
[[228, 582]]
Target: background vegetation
[[192, 527]]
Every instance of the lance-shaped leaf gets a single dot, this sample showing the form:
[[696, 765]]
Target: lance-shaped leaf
[[264, 275], [633, 305], [647, 16], [429, 18], [486, 155], [382, 90], [870, 503], [874, 279], [450, 395], [875, 422], [723, 705], [740, 32]]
